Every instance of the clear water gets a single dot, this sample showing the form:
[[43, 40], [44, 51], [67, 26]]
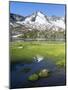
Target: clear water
[[18, 78]]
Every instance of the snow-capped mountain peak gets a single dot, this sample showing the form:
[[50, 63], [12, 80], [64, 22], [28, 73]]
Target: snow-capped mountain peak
[[40, 18], [36, 18], [40, 21]]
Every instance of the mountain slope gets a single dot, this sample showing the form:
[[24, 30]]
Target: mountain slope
[[37, 25], [38, 19]]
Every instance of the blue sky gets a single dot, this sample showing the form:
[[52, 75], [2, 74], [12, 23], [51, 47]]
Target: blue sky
[[26, 9]]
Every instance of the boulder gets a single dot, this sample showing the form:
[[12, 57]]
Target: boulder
[[44, 73], [33, 77]]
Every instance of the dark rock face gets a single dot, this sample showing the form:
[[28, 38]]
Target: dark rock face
[[15, 17]]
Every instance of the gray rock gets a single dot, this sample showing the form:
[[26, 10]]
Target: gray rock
[[44, 73]]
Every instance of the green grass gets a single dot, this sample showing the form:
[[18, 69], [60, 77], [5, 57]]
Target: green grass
[[33, 77], [52, 50]]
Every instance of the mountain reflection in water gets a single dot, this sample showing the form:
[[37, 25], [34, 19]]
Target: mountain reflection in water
[[19, 79]]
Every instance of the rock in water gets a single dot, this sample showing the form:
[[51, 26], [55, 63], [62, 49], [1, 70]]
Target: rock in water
[[33, 77], [44, 73]]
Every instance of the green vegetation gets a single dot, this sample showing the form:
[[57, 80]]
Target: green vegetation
[[44, 73], [42, 34], [60, 64], [33, 77], [49, 50]]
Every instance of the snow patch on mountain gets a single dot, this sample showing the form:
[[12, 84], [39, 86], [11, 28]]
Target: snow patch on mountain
[[42, 22], [59, 23]]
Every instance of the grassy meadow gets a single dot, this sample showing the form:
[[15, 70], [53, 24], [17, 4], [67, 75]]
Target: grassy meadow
[[25, 51]]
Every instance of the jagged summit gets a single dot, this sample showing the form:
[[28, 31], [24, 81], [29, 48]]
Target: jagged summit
[[36, 20], [39, 20]]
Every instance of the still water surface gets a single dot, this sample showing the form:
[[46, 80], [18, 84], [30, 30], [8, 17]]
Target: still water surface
[[18, 78]]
